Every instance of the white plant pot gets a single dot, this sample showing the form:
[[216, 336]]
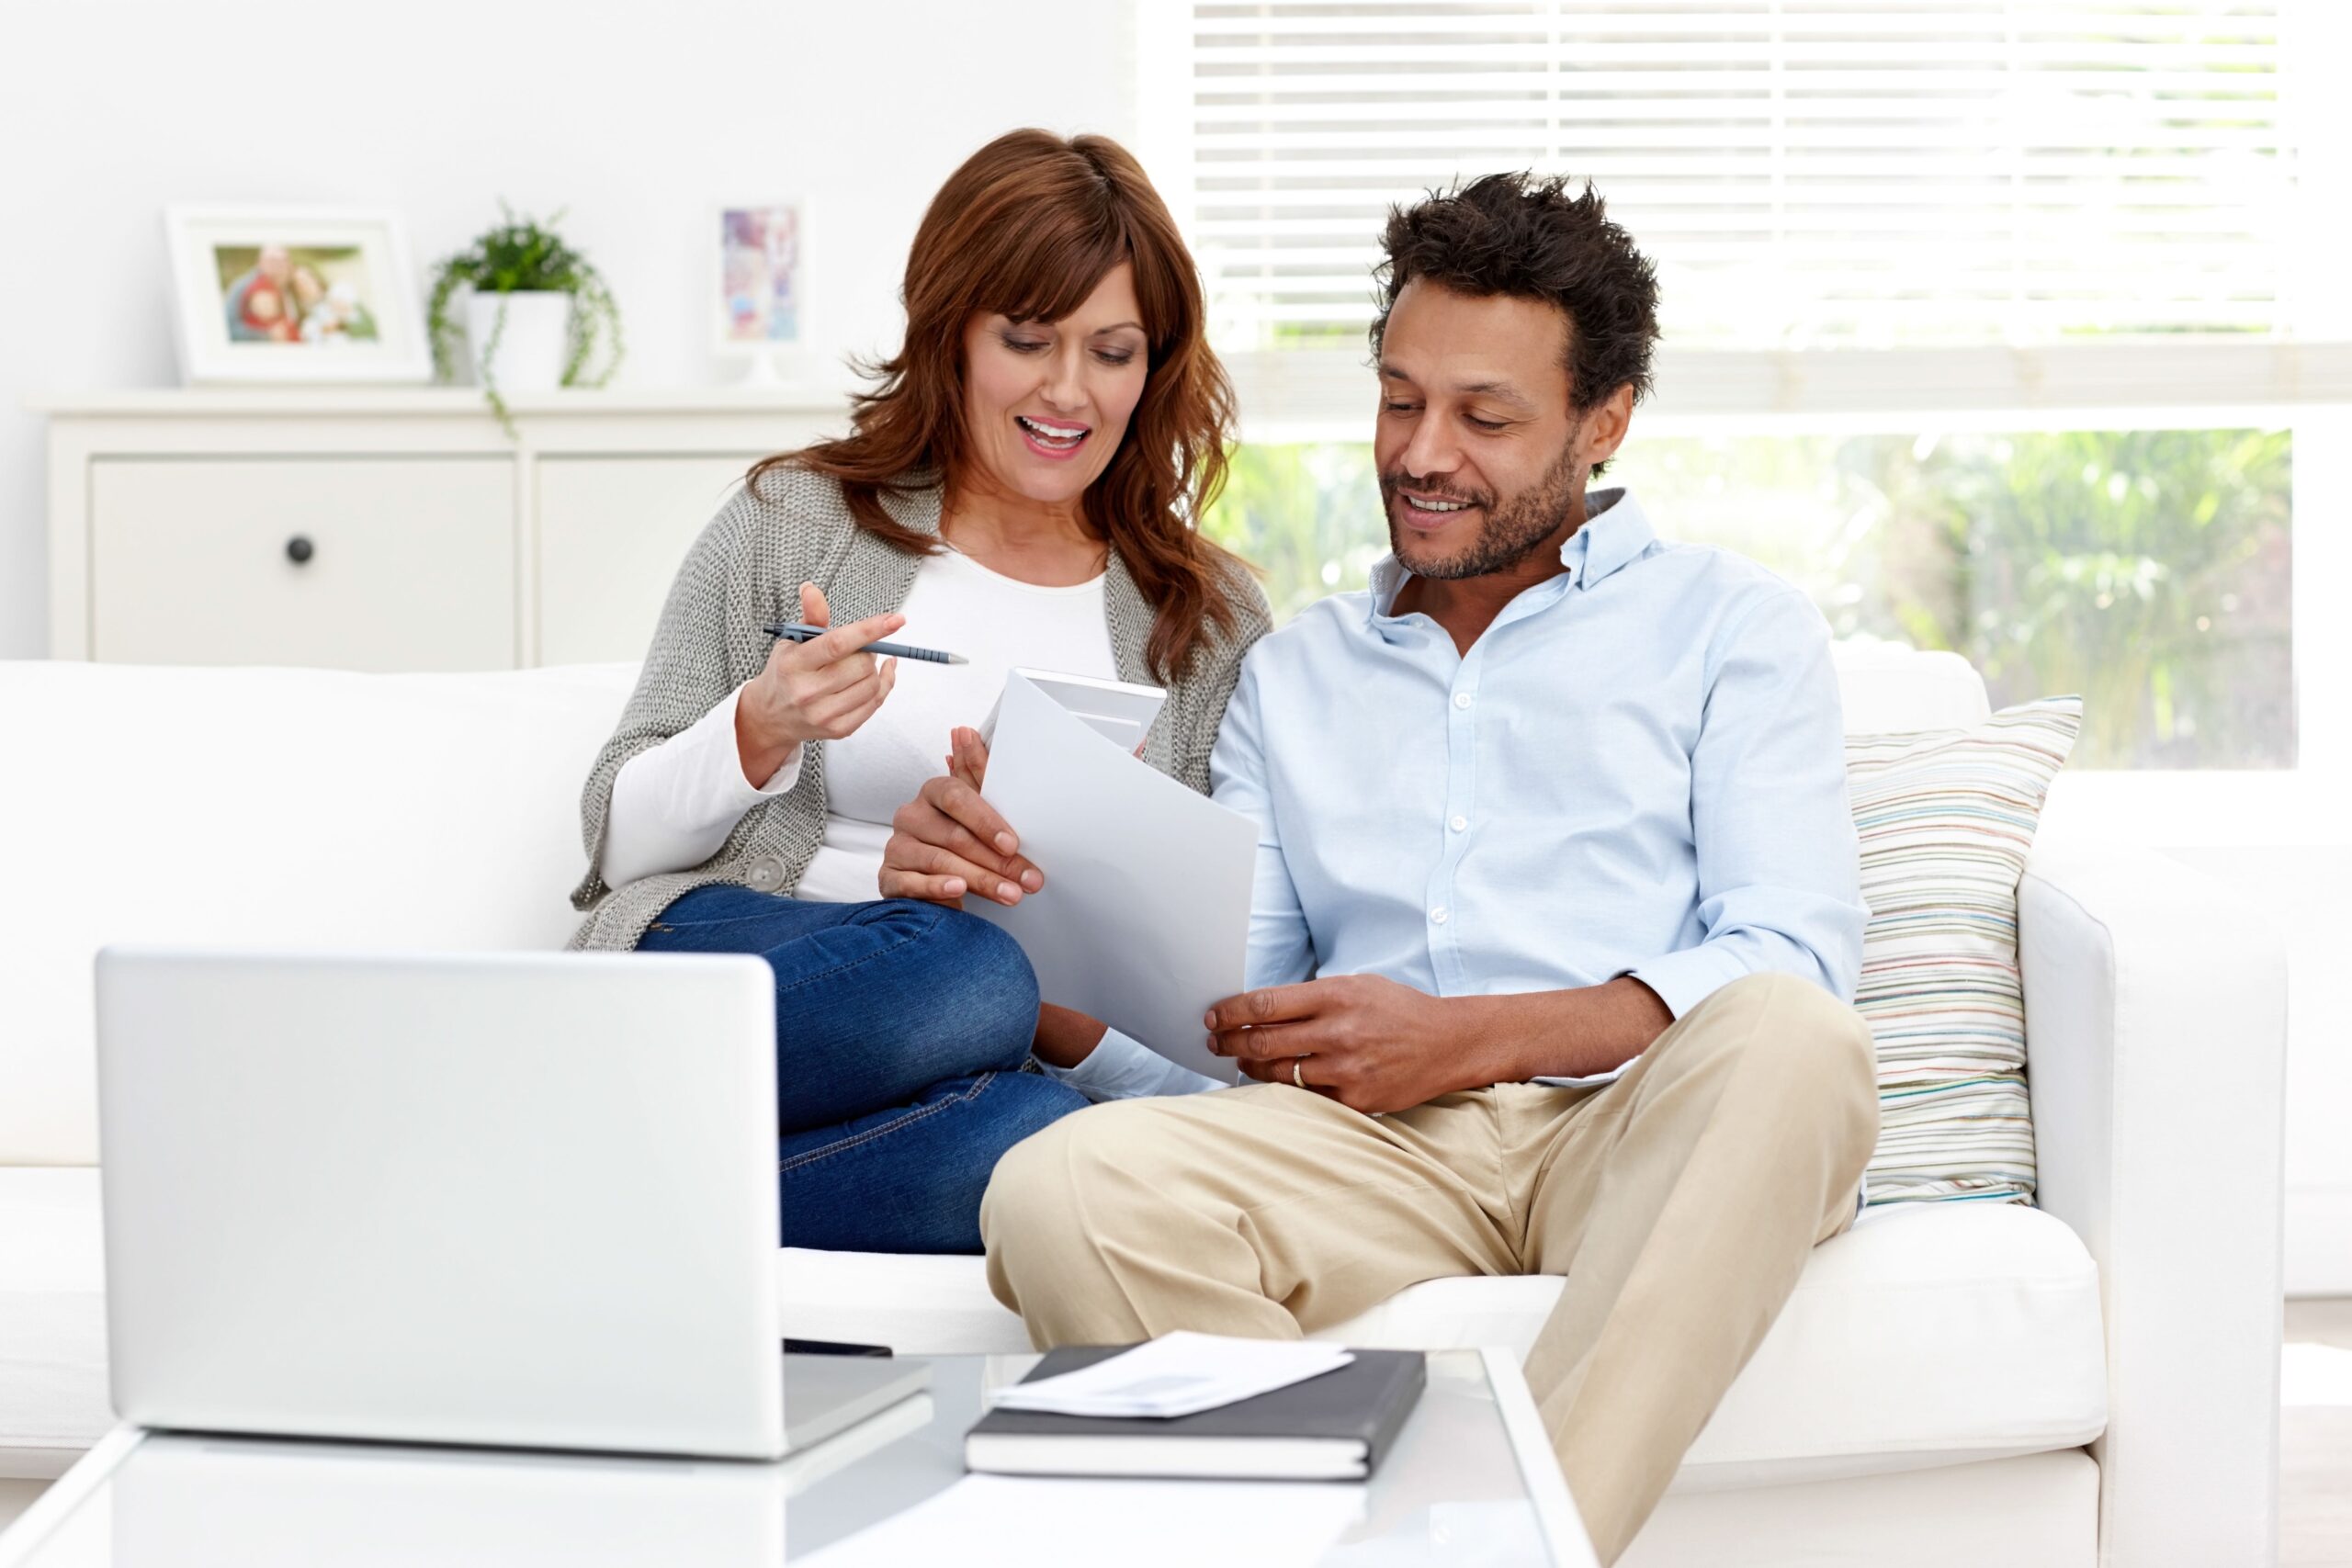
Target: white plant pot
[[530, 348]]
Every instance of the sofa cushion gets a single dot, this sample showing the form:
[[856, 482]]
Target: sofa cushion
[[52, 1320], [1927, 1335], [2027, 1511], [252, 807], [1945, 820], [1887, 685], [328, 809]]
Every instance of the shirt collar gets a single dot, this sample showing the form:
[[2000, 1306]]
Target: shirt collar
[[1615, 532]]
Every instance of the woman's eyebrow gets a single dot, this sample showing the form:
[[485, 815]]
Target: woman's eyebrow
[[1115, 326]]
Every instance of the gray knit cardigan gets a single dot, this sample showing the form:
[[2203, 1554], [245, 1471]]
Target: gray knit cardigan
[[744, 573]]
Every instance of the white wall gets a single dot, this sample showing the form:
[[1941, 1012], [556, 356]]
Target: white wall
[[636, 118]]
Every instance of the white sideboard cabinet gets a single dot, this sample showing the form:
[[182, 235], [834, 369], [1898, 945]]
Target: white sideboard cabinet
[[388, 529]]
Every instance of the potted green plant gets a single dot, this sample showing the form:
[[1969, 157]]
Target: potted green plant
[[538, 311]]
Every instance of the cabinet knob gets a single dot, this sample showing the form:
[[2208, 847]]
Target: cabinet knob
[[300, 549]]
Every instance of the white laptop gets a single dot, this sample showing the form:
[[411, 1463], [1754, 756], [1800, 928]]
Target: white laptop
[[524, 1199]]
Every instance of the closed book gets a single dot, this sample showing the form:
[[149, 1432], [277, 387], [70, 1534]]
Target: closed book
[[1337, 1427]]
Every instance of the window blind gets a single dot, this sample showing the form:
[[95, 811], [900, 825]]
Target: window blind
[[1806, 173]]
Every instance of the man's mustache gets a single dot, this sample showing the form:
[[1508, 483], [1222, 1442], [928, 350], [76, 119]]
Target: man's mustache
[[1397, 479]]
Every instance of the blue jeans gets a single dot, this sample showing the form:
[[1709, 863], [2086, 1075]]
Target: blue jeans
[[901, 1030]]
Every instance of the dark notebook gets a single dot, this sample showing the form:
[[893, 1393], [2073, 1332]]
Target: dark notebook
[[1334, 1427]]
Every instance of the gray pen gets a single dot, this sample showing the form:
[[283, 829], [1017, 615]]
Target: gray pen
[[799, 631]]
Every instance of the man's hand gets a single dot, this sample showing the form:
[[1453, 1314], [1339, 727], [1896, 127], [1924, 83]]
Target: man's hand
[[1370, 1043], [947, 841], [1375, 1045]]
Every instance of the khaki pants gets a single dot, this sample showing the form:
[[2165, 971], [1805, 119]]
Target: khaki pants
[[1679, 1201]]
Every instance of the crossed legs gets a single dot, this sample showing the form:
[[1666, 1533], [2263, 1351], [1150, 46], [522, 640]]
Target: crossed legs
[[901, 1033], [1680, 1202]]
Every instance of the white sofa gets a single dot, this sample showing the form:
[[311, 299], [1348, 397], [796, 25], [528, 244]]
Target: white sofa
[[2090, 1380]]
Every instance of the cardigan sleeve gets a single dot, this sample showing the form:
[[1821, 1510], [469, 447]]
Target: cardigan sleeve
[[673, 804], [686, 674], [1219, 670]]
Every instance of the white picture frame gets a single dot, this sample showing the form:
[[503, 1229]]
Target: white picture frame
[[757, 299], [281, 295]]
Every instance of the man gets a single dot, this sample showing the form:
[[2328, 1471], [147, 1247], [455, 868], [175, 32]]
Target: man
[[257, 302], [1557, 916]]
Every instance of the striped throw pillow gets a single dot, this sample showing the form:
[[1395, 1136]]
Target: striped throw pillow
[[1945, 818]]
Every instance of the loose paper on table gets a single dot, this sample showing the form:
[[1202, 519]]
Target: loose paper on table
[[1144, 919], [1181, 1373]]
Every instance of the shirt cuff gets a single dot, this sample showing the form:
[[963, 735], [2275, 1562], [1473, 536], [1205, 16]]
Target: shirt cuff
[[1590, 1080], [1682, 980], [1122, 1067]]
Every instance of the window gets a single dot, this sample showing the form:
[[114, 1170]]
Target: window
[[1806, 172], [2000, 326], [2146, 569]]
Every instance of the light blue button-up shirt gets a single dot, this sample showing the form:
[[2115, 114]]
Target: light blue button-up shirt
[[1638, 769]]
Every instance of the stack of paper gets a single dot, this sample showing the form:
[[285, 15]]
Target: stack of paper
[[1177, 1374], [1159, 1417]]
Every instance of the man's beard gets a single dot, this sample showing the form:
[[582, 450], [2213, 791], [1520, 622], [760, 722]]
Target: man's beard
[[1512, 531]]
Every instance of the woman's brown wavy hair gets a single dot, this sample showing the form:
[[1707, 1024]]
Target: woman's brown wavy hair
[[1027, 229]]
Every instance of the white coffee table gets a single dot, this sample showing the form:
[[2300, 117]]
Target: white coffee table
[[1471, 1480]]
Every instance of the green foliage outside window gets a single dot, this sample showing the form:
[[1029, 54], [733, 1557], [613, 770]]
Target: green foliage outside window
[[2147, 569]]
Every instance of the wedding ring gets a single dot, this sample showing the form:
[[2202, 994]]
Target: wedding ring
[[1298, 1071]]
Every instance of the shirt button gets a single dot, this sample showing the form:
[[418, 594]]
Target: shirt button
[[766, 873], [1462, 699], [1459, 823], [1437, 916]]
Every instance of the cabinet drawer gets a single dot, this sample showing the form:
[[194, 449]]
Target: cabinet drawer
[[403, 563], [611, 532]]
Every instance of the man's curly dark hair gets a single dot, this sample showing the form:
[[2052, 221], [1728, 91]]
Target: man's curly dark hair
[[1530, 239]]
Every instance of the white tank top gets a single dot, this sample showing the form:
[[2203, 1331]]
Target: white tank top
[[996, 622]]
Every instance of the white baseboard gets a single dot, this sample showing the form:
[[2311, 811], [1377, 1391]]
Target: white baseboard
[[2319, 1241]]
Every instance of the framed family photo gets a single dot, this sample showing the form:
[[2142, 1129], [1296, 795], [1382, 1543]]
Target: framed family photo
[[294, 294]]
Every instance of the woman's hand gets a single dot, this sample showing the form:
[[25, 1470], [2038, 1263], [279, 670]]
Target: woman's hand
[[947, 841], [818, 690]]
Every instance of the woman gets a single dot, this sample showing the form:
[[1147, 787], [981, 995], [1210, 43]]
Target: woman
[[1018, 489]]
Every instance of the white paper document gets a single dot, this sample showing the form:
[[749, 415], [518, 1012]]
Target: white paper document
[[1116, 710], [1177, 1374], [1144, 919]]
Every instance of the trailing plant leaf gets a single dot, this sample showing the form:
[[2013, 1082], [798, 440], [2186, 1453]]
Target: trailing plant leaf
[[522, 255]]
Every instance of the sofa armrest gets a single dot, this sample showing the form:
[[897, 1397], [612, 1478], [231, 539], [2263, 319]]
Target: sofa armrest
[[2155, 1008]]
